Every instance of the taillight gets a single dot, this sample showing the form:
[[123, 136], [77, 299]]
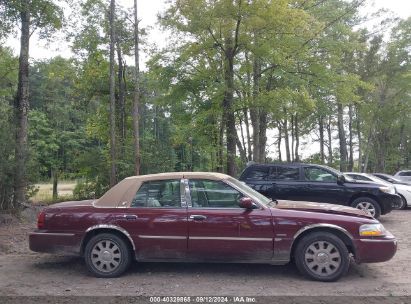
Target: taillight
[[41, 220]]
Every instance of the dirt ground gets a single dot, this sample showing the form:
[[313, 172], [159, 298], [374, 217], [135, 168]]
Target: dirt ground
[[27, 273]]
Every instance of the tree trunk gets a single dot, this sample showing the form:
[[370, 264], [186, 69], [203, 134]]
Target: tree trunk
[[287, 141], [245, 110], [279, 142], [113, 173], [247, 129], [54, 174], [136, 96], [350, 129], [292, 138], [231, 132], [321, 129], [360, 164], [241, 148], [330, 148], [342, 138], [262, 135], [220, 157], [21, 109], [254, 111], [297, 139], [121, 93], [242, 143]]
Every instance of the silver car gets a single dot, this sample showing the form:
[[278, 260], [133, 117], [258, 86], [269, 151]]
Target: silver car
[[404, 175]]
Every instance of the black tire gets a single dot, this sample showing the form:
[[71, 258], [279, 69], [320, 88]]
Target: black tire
[[403, 204], [369, 205], [107, 255], [328, 262]]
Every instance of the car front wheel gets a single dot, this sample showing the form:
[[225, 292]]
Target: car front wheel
[[368, 205], [322, 256], [403, 204], [107, 255]]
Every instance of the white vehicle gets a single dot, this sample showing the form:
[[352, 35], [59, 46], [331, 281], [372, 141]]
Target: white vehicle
[[402, 190], [404, 175]]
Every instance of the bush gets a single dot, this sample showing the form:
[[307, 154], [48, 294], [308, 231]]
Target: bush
[[89, 190]]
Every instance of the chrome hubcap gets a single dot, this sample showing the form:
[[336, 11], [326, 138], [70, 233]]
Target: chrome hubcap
[[106, 256], [322, 258], [367, 207]]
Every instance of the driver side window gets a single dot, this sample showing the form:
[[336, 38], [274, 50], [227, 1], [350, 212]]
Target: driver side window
[[213, 194]]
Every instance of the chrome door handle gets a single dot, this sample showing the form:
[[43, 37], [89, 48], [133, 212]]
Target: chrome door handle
[[197, 217], [130, 217]]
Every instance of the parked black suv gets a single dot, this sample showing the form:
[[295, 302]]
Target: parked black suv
[[316, 183]]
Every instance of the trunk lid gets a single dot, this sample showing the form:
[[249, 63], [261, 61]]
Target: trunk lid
[[73, 204]]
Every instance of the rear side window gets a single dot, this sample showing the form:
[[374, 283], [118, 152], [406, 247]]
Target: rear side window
[[257, 173], [158, 194], [284, 173]]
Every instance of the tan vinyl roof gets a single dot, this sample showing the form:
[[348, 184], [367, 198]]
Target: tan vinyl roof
[[122, 194]]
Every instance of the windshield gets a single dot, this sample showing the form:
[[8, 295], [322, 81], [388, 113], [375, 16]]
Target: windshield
[[249, 191]]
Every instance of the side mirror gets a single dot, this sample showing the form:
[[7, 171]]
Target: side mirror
[[247, 203], [340, 179]]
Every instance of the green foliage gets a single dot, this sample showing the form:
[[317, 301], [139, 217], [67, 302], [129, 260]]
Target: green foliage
[[293, 63], [8, 83]]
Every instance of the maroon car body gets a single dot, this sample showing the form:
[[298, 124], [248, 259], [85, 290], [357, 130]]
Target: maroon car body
[[191, 217]]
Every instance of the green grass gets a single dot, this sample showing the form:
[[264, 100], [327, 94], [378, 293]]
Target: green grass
[[44, 195]]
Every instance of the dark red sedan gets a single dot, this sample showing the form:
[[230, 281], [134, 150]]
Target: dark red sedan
[[209, 217]]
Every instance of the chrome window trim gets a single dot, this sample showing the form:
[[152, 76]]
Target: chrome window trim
[[114, 227]]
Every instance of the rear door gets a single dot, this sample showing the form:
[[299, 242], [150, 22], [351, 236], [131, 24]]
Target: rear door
[[220, 230], [287, 182], [157, 220]]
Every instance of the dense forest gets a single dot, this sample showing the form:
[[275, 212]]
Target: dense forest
[[239, 81]]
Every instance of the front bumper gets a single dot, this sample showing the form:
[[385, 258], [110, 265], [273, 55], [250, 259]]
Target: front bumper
[[374, 250], [388, 201], [54, 242]]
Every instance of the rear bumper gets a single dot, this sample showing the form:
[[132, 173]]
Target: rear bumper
[[52, 242], [374, 250]]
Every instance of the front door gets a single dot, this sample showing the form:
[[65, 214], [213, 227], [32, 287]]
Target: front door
[[220, 230], [322, 186], [157, 220]]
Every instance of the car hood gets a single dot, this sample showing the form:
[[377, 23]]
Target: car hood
[[321, 208]]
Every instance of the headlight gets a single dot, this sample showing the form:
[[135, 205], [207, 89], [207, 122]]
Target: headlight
[[372, 230], [390, 190]]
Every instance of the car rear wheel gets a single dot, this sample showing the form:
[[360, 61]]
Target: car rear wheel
[[107, 255], [368, 205], [322, 256]]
